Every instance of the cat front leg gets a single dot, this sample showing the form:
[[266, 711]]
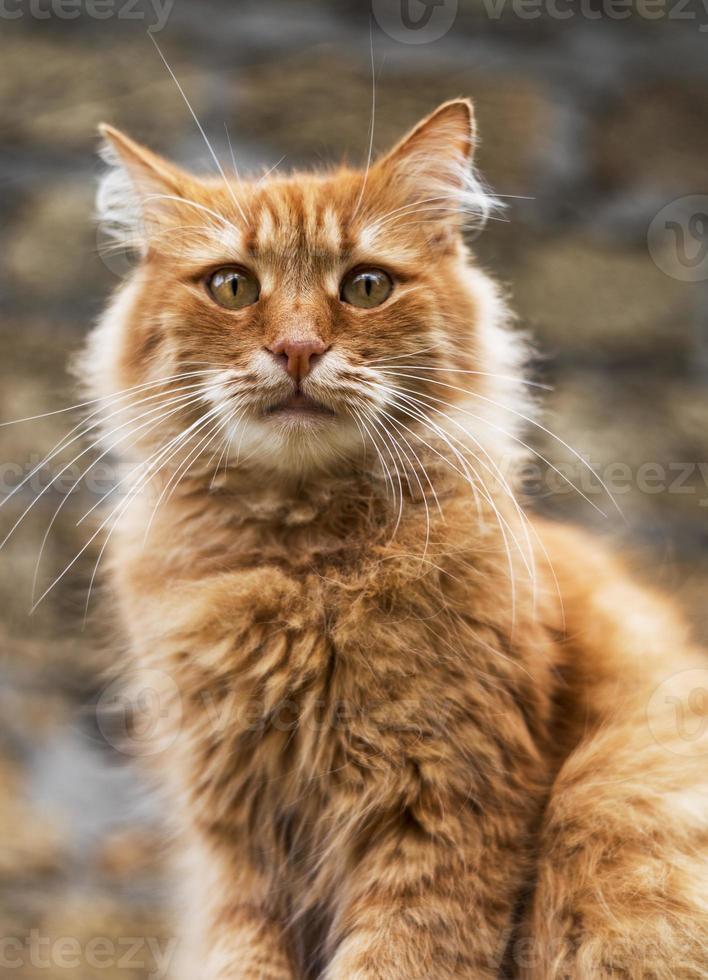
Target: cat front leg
[[230, 929], [622, 885], [245, 945], [421, 908], [219, 643], [622, 880]]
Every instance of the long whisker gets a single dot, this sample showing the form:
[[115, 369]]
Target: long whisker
[[151, 425], [372, 122], [132, 493], [96, 567], [527, 525], [81, 429], [270, 170], [438, 208], [419, 462], [232, 154], [95, 401], [527, 558], [377, 426], [148, 467], [44, 489], [531, 421], [175, 478], [115, 524], [192, 204], [478, 485], [411, 205], [106, 542], [367, 439], [222, 425], [423, 495], [428, 204], [417, 415], [481, 374], [405, 463], [397, 357], [422, 408], [465, 463], [503, 524], [233, 160], [358, 416], [200, 128], [224, 457]]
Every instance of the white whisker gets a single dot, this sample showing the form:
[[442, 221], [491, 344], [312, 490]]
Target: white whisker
[[481, 374], [149, 468], [200, 128], [98, 562], [491, 467], [95, 401], [503, 524], [209, 417], [151, 425], [63, 470], [270, 170], [423, 495], [377, 426], [357, 414], [372, 122], [525, 445]]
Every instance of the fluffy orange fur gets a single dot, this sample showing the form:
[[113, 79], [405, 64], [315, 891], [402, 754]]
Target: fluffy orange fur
[[413, 738]]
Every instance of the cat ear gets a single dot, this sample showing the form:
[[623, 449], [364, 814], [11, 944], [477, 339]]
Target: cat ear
[[139, 193], [432, 165], [446, 137]]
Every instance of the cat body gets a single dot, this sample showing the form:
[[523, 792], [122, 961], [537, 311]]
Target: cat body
[[329, 703], [410, 733]]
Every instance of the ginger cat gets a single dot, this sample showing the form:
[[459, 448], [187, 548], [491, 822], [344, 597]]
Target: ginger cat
[[413, 738]]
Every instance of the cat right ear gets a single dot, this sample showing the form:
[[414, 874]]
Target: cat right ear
[[137, 196]]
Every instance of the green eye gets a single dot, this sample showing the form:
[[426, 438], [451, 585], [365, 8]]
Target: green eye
[[366, 288], [233, 288]]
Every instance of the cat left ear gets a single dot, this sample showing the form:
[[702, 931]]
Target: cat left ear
[[137, 195], [433, 164]]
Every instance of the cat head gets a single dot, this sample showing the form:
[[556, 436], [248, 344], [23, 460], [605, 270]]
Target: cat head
[[309, 319]]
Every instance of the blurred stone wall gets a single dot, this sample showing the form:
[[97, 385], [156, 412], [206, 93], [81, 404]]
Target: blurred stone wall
[[594, 128]]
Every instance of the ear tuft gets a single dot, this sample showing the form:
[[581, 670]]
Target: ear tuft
[[127, 192], [118, 206]]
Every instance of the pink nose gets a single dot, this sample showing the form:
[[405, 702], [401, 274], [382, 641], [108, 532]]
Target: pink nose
[[298, 355]]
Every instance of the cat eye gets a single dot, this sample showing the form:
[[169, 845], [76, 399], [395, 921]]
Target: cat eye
[[366, 288], [233, 288]]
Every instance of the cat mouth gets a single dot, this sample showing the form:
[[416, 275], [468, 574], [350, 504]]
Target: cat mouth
[[300, 405]]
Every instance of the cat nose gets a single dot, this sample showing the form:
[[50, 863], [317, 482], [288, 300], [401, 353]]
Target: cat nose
[[298, 356]]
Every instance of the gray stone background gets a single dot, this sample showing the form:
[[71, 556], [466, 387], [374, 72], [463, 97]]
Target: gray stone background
[[594, 118]]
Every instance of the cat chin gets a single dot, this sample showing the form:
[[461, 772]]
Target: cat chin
[[296, 443]]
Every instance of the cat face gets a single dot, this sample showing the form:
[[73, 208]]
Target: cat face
[[288, 307]]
